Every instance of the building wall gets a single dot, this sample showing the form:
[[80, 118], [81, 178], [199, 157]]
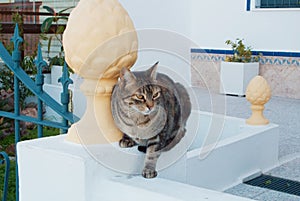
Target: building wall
[[210, 23], [166, 25], [275, 31], [215, 21], [172, 15]]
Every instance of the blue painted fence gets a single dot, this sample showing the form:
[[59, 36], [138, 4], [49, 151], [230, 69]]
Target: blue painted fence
[[5, 161], [13, 63]]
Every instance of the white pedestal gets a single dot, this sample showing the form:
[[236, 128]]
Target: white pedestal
[[53, 169]]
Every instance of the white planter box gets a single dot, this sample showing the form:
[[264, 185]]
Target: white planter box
[[235, 77]]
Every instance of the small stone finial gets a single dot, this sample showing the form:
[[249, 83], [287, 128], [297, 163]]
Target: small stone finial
[[258, 93]]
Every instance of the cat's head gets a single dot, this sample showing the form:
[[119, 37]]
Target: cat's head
[[139, 90]]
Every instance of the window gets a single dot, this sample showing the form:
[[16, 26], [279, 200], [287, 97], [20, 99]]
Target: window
[[277, 4]]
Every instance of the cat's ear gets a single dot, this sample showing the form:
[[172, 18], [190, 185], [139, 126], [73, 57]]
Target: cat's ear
[[152, 71], [126, 75]]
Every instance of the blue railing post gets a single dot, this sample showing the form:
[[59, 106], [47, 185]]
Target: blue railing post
[[39, 81], [16, 57], [65, 95], [5, 161]]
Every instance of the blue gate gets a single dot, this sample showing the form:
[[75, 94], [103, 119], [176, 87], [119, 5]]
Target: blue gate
[[36, 87]]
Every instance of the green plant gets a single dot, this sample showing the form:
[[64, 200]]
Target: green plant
[[58, 19], [7, 79], [57, 60], [28, 65], [7, 84], [6, 76], [241, 53]]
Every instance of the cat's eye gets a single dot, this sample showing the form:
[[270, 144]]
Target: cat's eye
[[156, 95], [139, 96]]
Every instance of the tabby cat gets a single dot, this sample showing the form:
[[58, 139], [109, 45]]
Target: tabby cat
[[151, 110]]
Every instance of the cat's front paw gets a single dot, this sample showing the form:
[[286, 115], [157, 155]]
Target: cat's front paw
[[149, 173], [126, 142]]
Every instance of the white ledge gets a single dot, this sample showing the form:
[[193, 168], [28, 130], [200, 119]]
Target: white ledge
[[53, 169]]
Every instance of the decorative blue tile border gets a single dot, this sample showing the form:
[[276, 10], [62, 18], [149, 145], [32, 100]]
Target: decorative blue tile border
[[269, 57], [279, 61], [207, 57], [265, 53]]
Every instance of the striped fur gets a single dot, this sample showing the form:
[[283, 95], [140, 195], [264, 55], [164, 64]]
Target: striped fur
[[151, 110]]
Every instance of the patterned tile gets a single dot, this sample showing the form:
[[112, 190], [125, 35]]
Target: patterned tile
[[205, 74], [288, 61], [284, 80], [273, 60], [282, 73]]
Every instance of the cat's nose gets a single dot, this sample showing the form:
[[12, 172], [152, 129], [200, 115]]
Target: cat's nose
[[150, 105]]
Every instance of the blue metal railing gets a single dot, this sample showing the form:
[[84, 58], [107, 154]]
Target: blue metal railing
[[5, 161], [13, 63]]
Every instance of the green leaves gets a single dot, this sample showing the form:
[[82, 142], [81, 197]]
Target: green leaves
[[55, 18], [47, 24], [241, 53], [60, 29], [59, 20], [49, 9], [64, 10]]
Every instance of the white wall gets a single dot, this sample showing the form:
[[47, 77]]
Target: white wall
[[173, 15], [210, 22], [215, 21], [164, 35]]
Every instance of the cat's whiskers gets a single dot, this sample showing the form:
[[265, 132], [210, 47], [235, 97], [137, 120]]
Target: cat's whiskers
[[131, 112], [147, 111]]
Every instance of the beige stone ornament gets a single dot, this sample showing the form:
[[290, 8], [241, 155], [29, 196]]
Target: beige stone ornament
[[99, 40], [258, 93]]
